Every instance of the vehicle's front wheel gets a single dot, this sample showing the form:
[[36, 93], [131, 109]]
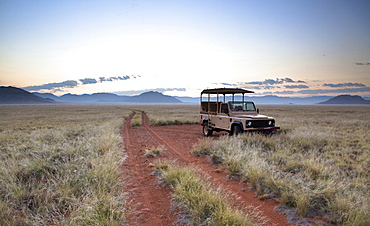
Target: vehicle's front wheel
[[207, 131], [235, 130]]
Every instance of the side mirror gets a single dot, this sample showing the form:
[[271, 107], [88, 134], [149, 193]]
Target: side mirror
[[258, 110]]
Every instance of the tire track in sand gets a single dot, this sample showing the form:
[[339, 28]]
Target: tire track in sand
[[148, 203], [172, 149]]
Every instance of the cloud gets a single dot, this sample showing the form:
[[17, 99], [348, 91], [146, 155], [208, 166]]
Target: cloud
[[271, 82], [289, 86], [349, 84], [110, 79], [296, 86], [318, 91], [259, 87], [270, 87], [265, 84], [285, 92], [107, 79], [279, 92], [227, 84], [88, 81], [50, 86], [274, 81], [251, 87], [321, 91], [126, 77], [55, 86], [287, 80]]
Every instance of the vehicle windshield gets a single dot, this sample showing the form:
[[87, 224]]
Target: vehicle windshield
[[241, 106]]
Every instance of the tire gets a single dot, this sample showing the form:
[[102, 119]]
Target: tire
[[206, 130], [236, 130]]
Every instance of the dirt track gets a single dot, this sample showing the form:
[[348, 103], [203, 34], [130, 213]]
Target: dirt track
[[149, 202]]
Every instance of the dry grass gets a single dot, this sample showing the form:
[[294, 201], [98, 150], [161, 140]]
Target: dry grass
[[136, 120], [152, 152], [319, 162], [60, 165], [204, 204], [160, 115]]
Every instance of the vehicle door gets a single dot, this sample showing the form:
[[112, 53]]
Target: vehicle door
[[223, 119], [213, 114]]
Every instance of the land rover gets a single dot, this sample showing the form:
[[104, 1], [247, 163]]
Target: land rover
[[223, 111]]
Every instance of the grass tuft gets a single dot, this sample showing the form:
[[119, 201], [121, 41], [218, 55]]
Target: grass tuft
[[203, 147], [153, 152], [205, 205], [137, 119]]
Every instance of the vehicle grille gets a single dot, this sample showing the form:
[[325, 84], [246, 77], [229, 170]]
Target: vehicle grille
[[260, 123]]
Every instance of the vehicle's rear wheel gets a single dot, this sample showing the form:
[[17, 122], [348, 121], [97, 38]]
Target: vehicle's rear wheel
[[207, 131], [236, 130]]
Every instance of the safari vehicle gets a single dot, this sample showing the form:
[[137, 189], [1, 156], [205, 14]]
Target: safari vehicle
[[235, 116]]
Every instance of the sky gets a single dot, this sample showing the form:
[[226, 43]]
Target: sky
[[277, 47]]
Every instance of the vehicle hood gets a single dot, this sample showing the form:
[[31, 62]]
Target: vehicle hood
[[253, 116]]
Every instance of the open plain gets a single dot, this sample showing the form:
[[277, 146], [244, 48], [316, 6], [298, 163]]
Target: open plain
[[90, 164]]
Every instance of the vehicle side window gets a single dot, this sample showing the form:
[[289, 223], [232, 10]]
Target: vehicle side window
[[224, 109], [240, 106], [234, 106], [250, 107]]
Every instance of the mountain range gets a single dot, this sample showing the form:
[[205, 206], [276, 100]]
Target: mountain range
[[13, 95], [346, 99], [147, 97]]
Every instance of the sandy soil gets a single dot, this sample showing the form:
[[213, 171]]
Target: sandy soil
[[149, 202]]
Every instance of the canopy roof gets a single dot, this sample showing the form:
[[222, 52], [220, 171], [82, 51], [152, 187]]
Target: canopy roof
[[225, 91]]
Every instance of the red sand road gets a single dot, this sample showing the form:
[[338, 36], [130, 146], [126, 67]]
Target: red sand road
[[149, 202]]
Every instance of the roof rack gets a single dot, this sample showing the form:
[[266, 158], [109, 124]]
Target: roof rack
[[225, 91]]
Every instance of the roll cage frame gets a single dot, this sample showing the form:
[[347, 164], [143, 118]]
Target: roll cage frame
[[223, 91]]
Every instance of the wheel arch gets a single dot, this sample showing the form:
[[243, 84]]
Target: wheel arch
[[206, 120], [206, 128], [238, 123]]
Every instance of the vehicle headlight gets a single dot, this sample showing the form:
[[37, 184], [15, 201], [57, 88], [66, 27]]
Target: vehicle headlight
[[270, 123], [249, 123]]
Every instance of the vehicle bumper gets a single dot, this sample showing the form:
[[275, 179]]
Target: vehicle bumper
[[262, 129]]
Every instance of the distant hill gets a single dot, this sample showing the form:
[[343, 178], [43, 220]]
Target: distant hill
[[46, 95], [153, 97], [148, 97], [13, 95], [346, 99], [92, 98]]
